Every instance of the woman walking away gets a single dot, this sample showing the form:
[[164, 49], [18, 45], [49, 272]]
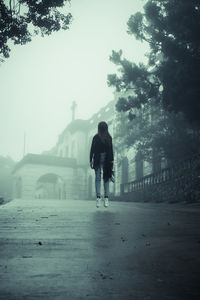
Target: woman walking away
[[101, 158]]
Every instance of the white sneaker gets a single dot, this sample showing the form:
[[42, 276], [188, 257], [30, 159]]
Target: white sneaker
[[98, 202], [106, 202]]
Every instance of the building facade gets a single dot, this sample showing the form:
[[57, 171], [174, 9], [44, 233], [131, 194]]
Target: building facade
[[64, 171]]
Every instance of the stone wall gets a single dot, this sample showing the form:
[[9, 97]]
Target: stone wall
[[73, 185], [178, 183], [129, 168]]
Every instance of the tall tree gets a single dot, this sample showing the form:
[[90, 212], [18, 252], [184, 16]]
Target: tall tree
[[22, 19], [156, 133], [172, 29]]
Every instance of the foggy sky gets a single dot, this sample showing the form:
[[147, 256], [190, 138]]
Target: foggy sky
[[41, 79]]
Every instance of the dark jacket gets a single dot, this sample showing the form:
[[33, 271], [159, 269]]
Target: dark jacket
[[98, 147]]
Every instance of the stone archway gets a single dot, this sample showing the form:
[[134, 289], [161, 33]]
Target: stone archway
[[49, 186]]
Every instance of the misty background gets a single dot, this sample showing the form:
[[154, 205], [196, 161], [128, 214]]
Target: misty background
[[154, 122], [157, 109], [40, 80]]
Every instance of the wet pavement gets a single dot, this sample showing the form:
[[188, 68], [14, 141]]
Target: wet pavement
[[72, 250]]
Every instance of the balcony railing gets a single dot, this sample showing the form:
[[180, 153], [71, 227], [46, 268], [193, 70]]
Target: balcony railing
[[180, 173]]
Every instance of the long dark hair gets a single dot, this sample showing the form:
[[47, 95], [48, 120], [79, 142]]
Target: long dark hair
[[103, 133]]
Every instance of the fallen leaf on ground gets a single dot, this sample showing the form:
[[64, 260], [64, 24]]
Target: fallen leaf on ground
[[123, 239]]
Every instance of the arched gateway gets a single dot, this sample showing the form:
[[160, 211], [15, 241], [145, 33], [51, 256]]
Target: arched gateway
[[49, 177], [50, 186]]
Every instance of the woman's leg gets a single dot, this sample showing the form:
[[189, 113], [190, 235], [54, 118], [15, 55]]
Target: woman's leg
[[106, 188], [98, 181], [106, 183]]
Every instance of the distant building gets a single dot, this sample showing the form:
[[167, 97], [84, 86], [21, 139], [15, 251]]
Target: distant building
[[64, 172]]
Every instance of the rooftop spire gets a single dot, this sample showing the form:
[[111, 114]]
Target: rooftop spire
[[73, 108]]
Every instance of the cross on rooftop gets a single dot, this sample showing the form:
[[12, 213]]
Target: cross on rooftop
[[73, 108]]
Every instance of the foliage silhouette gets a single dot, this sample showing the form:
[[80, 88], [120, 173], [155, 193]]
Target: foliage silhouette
[[21, 20], [167, 89], [172, 29]]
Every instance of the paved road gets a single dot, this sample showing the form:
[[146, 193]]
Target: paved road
[[72, 250]]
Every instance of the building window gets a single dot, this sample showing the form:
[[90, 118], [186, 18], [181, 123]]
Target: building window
[[139, 166], [66, 151], [73, 149], [156, 161], [124, 174]]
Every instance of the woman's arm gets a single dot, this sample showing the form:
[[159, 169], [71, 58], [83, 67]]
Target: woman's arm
[[91, 151], [111, 153]]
